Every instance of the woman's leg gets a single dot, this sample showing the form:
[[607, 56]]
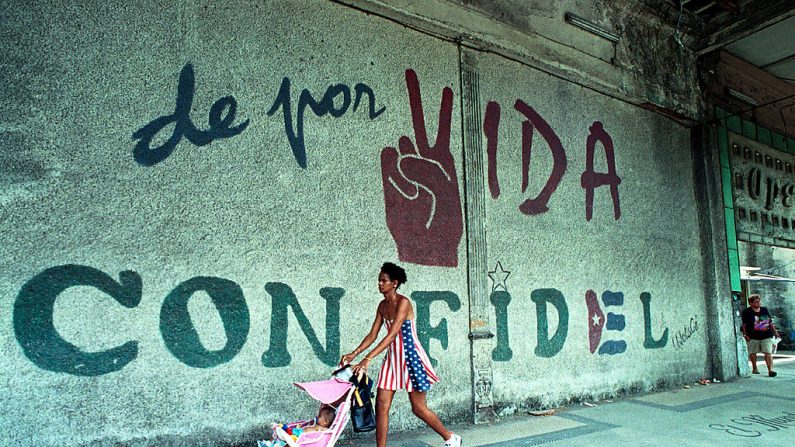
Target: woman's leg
[[383, 401], [421, 410]]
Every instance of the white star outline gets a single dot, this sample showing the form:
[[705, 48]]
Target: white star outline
[[498, 277]]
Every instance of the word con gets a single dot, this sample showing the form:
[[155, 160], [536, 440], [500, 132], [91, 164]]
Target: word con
[[36, 334], [221, 124], [752, 420]]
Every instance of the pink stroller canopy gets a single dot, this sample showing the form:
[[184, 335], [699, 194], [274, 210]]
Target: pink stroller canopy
[[326, 391]]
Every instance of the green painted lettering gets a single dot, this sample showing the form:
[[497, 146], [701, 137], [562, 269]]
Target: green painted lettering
[[35, 331], [283, 297], [502, 352], [425, 332], [549, 347], [180, 335], [648, 339]]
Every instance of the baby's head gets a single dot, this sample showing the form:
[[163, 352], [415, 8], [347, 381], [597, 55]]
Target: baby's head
[[326, 416]]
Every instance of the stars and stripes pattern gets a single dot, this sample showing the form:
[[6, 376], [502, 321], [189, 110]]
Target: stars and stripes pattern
[[406, 365]]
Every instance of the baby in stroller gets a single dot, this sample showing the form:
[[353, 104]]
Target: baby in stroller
[[322, 422], [323, 431]]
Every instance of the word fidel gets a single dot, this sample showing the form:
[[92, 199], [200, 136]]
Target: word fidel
[[753, 420], [36, 334]]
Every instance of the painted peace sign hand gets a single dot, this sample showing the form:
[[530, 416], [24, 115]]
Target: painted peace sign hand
[[421, 194]]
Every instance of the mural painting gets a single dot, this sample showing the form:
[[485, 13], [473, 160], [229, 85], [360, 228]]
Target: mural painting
[[210, 240], [422, 201], [222, 116], [590, 179], [42, 345], [597, 322], [423, 213]]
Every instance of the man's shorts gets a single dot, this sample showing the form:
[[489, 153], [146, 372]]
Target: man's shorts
[[760, 346]]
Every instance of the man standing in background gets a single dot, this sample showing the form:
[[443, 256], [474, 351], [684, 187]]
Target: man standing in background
[[758, 330]]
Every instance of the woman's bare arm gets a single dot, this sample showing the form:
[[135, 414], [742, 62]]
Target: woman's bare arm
[[368, 339], [403, 310]]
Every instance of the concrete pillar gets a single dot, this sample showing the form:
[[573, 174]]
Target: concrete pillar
[[720, 331], [480, 331]]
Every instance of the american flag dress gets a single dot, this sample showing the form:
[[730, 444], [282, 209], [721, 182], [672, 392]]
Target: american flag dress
[[406, 365]]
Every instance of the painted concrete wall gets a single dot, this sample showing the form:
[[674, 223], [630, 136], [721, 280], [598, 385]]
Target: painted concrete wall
[[228, 213], [648, 39], [617, 269], [650, 34], [196, 200]]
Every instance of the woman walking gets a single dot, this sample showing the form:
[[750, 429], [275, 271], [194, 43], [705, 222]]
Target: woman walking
[[406, 365]]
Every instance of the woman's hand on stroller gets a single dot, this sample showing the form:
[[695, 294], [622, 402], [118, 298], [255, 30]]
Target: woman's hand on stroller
[[347, 358], [361, 367]]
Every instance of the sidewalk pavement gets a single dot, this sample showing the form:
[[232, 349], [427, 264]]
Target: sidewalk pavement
[[759, 410]]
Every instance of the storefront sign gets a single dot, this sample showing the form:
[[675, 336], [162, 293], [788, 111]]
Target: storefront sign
[[763, 184]]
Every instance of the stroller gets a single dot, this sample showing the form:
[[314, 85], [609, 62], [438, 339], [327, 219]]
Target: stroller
[[334, 392]]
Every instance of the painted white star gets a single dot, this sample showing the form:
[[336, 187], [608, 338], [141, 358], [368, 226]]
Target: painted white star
[[596, 320], [498, 277]]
